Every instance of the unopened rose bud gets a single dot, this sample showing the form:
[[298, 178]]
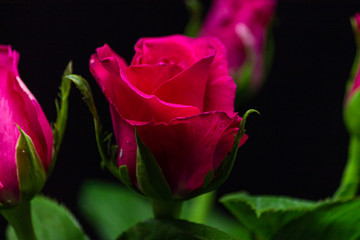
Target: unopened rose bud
[[352, 98], [26, 140]]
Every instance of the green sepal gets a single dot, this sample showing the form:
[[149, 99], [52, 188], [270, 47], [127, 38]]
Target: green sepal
[[155, 229], [352, 114], [107, 150], [31, 172], [124, 175], [62, 107], [150, 178], [223, 172]]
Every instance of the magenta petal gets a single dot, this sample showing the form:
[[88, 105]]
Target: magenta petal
[[9, 135], [31, 118], [125, 139], [121, 93], [220, 89], [147, 78], [188, 148], [227, 140], [356, 81], [176, 48], [111, 61], [187, 88]]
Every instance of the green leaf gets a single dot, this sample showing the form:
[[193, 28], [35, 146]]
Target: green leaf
[[62, 114], [31, 172], [201, 210], [51, 221], [227, 164], [228, 224], [111, 209], [340, 220], [266, 215], [150, 178], [99, 203], [155, 229]]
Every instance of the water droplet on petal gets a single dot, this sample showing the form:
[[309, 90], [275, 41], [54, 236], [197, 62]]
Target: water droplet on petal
[[121, 153]]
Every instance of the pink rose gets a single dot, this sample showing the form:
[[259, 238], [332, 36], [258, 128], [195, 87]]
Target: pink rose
[[352, 98], [242, 27], [356, 77], [178, 94], [19, 109]]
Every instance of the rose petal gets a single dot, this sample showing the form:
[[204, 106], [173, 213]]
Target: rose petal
[[121, 93], [186, 149], [176, 48], [9, 59], [220, 89], [9, 135], [188, 87], [125, 139], [19, 107], [225, 15], [111, 61], [147, 78]]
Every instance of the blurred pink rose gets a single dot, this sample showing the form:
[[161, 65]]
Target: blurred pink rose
[[242, 27]]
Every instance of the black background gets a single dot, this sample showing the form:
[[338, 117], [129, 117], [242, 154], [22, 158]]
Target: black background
[[296, 147]]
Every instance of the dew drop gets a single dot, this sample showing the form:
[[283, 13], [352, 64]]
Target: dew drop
[[121, 153]]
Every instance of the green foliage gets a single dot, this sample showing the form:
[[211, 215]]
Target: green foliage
[[337, 221], [51, 221], [266, 215], [155, 229], [283, 218], [62, 107], [111, 209]]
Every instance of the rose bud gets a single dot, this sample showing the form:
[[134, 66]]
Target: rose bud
[[242, 26], [178, 96], [26, 139], [352, 98]]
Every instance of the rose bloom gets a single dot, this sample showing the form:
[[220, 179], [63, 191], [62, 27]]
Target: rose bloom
[[19, 109], [242, 27], [178, 93]]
